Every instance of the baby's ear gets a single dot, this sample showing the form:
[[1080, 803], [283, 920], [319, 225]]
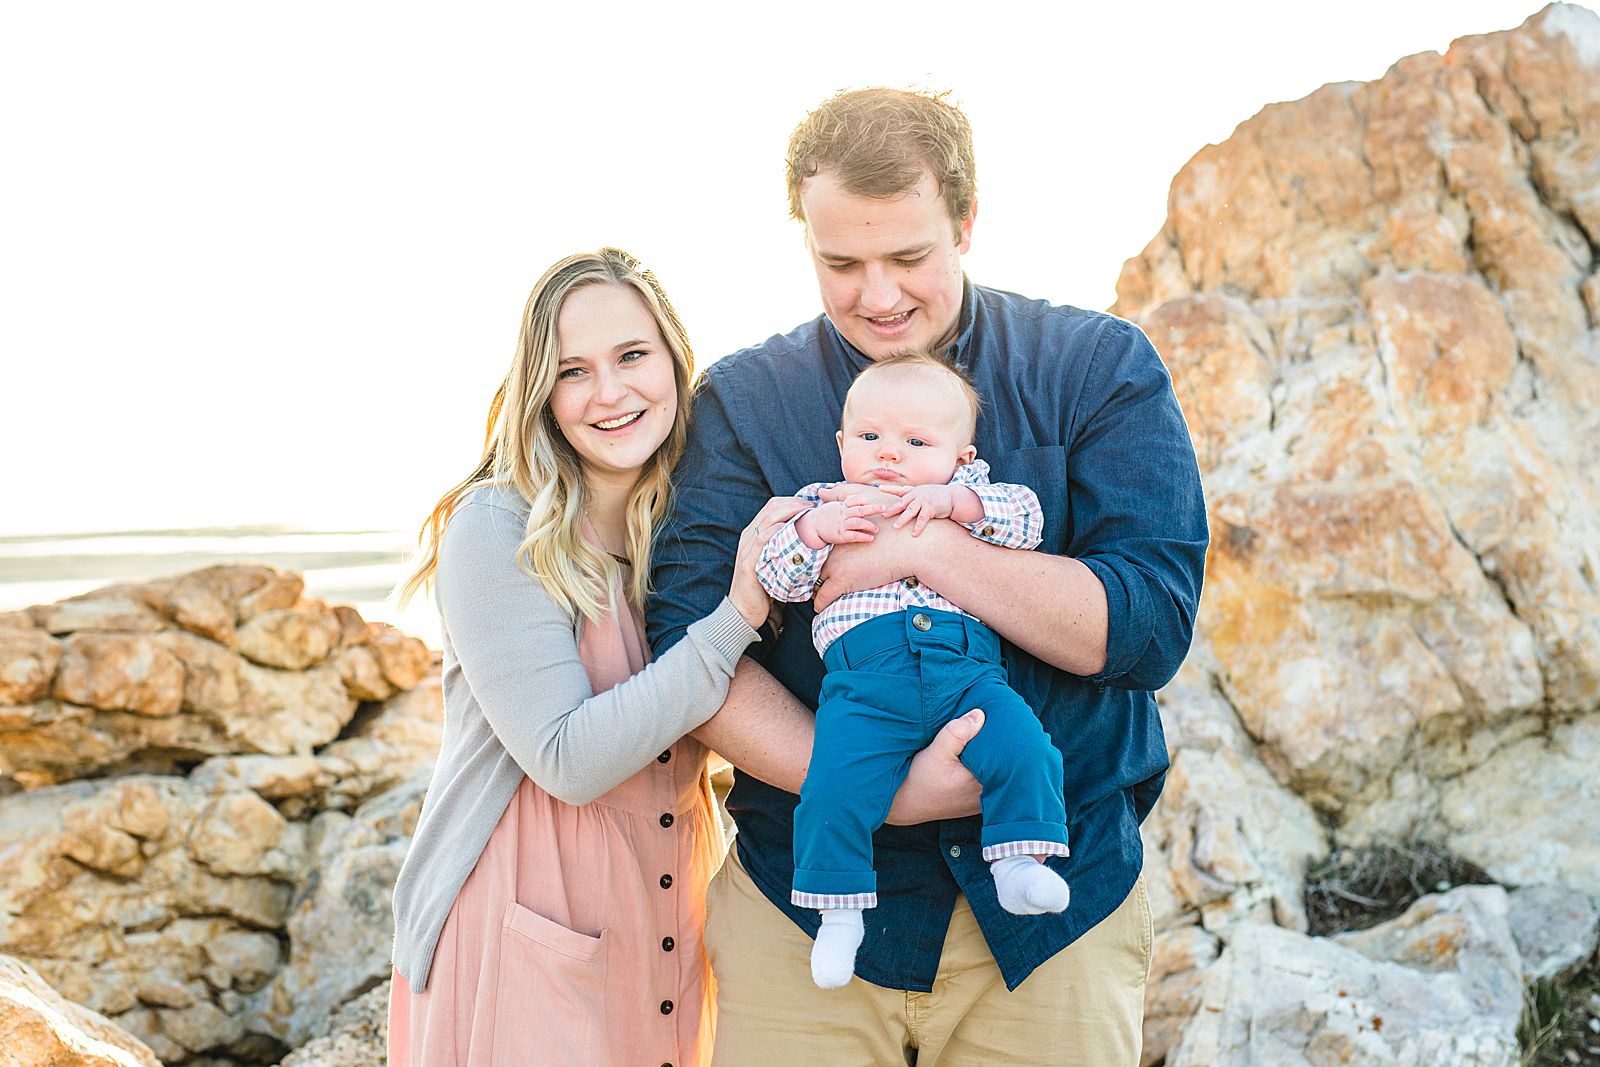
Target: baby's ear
[[967, 455], [838, 439]]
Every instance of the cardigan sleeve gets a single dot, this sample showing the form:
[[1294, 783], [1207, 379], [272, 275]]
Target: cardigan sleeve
[[519, 656]]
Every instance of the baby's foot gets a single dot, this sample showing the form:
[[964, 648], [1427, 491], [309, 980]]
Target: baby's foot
[[833, 957], [1028, 887]]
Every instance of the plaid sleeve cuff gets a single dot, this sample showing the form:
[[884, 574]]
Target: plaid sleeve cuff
[[1012, 517], [789, 569]]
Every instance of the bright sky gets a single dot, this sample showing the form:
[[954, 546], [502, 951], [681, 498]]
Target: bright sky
[[265, 262]]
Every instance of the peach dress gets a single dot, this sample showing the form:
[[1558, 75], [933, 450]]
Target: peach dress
[[575, 941]]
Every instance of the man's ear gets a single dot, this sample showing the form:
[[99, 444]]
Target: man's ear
[[964, 231]]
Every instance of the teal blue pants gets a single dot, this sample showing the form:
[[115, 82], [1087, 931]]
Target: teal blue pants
[[892, 682]]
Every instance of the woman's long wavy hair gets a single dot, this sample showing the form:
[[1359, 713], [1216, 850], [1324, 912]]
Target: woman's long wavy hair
[[525, 450]]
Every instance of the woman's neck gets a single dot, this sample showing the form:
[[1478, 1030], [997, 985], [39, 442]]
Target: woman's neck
[[608, 513]]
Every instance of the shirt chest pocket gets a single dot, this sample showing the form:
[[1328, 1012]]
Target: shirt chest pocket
[[1044, 470]]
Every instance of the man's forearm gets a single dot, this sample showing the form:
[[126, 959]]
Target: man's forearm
[[761, 729], [1050, 606]]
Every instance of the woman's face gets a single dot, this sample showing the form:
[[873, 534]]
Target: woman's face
[[615, 396]]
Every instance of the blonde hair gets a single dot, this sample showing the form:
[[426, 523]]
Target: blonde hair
[[525, 450], [877, 142], [918, 359]]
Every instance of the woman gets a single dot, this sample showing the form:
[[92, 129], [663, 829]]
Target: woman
[[549, 910]]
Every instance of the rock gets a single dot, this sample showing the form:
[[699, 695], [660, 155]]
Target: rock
[[114, 609], [1556, 930], [120, 672], [28, 661], [1235, 841], [1276, 996], [1382, 340], [1527, 814], [279, 592], [40, 1028], [149, 899], [399, 739], [291, 638], [404, 660], [340, 926], [358, 1036], [1172, 993]]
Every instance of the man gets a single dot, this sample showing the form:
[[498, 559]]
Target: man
[[1077, 406]]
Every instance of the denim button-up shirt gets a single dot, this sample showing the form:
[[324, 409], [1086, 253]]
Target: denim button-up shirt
[[1076, 405]]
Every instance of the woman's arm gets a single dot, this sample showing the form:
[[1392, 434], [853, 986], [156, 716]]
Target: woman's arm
[[520, 659]]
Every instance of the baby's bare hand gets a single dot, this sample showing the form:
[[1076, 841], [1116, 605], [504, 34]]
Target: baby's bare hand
[[838, 523], [920, 504]]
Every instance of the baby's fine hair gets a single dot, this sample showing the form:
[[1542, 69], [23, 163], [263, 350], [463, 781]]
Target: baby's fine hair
[[921, 357]]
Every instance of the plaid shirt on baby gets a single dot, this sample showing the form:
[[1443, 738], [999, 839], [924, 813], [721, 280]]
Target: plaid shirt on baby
[[789, 569]]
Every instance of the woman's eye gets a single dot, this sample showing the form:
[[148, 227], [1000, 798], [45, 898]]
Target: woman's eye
[[634, 356], [569, 374]]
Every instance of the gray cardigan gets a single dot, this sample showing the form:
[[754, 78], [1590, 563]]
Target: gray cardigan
[[517, 702]]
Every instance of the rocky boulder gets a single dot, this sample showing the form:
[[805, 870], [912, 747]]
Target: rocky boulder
[[1378, 306], [39, 1027], [223, 907]]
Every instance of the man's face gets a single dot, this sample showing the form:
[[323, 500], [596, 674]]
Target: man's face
[[889, 270]]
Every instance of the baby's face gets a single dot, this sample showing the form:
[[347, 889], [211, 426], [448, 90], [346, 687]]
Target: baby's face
[[905, 426]]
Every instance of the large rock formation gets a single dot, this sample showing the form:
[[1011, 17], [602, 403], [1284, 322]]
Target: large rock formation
[[1378, 305], [38, 1026], [206, 787]]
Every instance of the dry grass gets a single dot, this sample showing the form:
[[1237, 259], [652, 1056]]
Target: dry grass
[[1356, 888], [1561, 1021]]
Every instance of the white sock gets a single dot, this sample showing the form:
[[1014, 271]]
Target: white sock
[[833, 957], [1028, 887]]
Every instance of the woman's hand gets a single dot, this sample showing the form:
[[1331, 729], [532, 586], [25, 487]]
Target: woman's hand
[[939, 786], [746, 592]]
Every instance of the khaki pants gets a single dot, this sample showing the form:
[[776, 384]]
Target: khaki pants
[[1083, 1006]]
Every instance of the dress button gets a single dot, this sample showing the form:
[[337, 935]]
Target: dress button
[[921, 622], [987, 531], [667, 944], [666, 1007], [955, 852], [664, 757], [911, 583], [666, 881], [797, 559], [666, 818]]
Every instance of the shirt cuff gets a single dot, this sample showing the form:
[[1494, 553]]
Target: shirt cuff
[[725, 632], [1129, 619]]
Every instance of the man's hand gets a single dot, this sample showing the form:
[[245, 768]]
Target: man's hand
[[938, 785], [892, 555]]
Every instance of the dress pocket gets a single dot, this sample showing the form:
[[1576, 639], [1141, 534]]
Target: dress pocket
[[549, 1000]]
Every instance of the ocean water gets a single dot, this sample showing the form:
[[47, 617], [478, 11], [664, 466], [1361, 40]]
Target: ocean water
[[356, 567]]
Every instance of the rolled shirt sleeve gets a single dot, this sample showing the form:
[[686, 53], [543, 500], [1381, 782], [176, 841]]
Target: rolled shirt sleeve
[[1139, 518]]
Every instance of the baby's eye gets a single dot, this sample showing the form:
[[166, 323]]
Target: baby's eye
[[916, 442], [869, 436]]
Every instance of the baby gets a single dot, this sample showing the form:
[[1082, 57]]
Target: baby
[[902, 660]]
